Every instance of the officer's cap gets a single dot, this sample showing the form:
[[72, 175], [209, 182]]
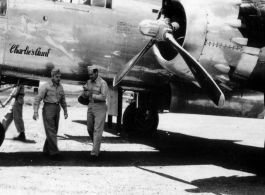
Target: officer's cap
[[55, 71], [91, 68]]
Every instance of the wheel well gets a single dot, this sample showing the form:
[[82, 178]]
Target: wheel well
[[154, 100]]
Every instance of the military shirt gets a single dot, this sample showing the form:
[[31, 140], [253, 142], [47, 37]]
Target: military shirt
[[97, 90], [21, 90], [49, 93], [18, 91]]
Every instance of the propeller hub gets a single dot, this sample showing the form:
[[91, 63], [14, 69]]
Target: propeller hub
[[149, 27], [154, 28]]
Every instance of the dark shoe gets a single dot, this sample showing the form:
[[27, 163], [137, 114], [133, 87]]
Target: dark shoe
[[21, 137], [94, 158]]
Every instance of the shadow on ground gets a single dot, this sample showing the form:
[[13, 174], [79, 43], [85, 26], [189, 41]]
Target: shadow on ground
[[230, 185], [170, 149]]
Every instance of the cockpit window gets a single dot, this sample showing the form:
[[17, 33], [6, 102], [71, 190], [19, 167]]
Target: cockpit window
[[3, 6]]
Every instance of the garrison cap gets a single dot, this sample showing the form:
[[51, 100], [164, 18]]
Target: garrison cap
[[91, 68], [55, 71]]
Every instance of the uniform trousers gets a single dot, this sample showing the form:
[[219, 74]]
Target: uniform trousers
[[96, 116], [51, 117], [14, 113]]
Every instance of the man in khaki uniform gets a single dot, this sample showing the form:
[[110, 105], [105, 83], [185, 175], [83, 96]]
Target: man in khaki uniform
[[53, 96], [15, 112], [96, 90]]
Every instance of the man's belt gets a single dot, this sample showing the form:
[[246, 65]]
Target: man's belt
[[96, 101], [54, 103]]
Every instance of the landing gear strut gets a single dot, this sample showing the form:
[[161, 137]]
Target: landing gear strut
[[139, 120], [2, 134]]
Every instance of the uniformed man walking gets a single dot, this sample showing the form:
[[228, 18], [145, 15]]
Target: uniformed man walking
[[14, 112], [53, 96], [96, 89]]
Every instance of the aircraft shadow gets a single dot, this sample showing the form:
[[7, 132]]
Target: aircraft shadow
[[182, 149], [224, 153], [170, 149], [230, 185], [227, 154], [221, 185]]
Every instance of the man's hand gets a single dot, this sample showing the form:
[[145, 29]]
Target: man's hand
[[36, 116], [65, 115], [85, 88], [86, 92]]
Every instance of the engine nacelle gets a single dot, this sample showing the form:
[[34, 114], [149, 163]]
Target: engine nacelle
[[191, 35], [209, 31]]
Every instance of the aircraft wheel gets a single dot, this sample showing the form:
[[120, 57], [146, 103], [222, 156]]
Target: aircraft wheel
[[2, 134], [139, 120]]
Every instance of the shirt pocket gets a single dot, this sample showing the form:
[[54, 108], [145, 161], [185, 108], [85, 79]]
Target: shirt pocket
[[51, 93]]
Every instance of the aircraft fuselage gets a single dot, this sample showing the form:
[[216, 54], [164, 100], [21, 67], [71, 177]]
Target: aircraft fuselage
[[37, 35]]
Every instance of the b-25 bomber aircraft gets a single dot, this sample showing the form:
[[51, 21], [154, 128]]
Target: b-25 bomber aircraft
[[211, 61]]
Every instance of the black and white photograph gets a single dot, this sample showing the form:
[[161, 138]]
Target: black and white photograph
[[132, 97]]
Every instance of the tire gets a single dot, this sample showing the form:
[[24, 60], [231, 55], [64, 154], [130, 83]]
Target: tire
[[136, 122]]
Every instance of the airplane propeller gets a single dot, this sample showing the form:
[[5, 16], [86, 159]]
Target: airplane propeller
[[160, 31], [201, 75], [125, 70]]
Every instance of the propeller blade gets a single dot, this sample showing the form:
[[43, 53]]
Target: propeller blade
[[127, 67], [201, 75]]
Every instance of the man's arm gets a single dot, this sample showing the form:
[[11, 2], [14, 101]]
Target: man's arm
[[103, 92], [64, 104], [37, 101], [12, 95], [15, 91]]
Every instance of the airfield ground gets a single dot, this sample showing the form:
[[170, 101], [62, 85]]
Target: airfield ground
[[190, 154]]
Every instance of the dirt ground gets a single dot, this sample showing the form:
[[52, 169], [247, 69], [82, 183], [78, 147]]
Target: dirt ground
[[184, 157]]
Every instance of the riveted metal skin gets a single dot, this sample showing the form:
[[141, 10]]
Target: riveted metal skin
[[73, 37]]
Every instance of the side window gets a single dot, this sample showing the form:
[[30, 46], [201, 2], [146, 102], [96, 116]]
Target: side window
[[73, 1], [99, 3], [3, 7]]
